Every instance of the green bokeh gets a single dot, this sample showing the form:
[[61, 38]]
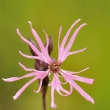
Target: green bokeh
[[50, 15]]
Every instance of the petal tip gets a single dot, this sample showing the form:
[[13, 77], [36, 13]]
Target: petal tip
[[84, 69], [19, 63], [85, 48], [93, 81], [19, 51], [60, 27], [43, 30], [30, 23], [3, 79], [87, 67], [34, 91], [54, 106], [6, 80], [14, 97], [85, 23], [17, 30], [92, 101], [79, 19]]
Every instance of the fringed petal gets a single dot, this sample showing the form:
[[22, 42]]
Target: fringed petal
[[23, 88], [67, 34], [82, 92], [59, 38], [71, 72], [53, 105], [66, 53], [29, 43], [40, 85], [12, 79], [45, 50], [63, 51], [70, 79], [31, 57], [47, 40], [57, 85], [83, 79], [84, 70], [77, 51], [41, 45], [78, 78], [70, 43], [38, 75], [25, 68]]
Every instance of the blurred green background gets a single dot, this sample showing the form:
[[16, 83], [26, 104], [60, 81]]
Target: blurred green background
[[50, 15]]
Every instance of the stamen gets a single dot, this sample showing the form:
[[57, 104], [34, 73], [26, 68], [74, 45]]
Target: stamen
[[54, 67]]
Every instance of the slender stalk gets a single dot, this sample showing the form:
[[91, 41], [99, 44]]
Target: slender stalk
[[44, 91], [43, 102]]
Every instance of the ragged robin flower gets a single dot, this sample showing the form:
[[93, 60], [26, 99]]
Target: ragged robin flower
[[53, 66]]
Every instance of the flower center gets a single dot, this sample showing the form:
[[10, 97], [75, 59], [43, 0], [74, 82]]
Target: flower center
[[54, 67]]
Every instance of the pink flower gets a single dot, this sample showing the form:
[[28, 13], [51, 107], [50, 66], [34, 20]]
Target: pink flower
[[54, 66]]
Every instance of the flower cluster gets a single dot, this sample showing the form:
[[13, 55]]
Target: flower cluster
[[53, 65]]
